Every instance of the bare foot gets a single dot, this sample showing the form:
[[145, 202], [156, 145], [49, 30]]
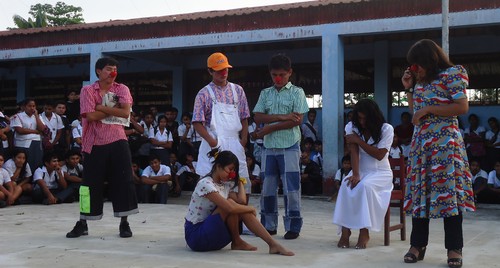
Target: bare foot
[[344, 238], [242, 245], [279, 249], [363, 239]]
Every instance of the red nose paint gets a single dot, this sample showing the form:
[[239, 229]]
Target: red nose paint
[[232, 175], [278, 80], [414, 68], [113, 74], [223, 72]]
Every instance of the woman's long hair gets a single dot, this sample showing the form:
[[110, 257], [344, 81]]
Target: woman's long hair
[[15, 153], [374, 118], [223, 159], [430, 56]]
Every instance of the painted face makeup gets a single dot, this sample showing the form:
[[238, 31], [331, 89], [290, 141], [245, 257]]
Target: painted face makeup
[[113, 74], [232, 175], [278, 80], [414, 68]]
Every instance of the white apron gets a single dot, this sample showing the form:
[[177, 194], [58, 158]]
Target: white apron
[[225, 127]]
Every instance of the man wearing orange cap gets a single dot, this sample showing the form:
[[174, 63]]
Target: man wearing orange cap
[[220, 117]]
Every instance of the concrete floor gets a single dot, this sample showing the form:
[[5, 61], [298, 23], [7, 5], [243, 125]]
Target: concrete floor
[[34, 236]]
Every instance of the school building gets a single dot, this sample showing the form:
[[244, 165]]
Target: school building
[[341, 50]]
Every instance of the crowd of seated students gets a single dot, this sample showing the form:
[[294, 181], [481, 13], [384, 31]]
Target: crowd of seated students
[[157, 137]]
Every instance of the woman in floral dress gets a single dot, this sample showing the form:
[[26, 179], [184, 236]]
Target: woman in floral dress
[[439, 180]]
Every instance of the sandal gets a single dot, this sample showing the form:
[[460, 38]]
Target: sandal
[[455, 262], [411, 258]]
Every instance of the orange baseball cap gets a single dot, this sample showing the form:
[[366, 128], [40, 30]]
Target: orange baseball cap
[[217, 61]]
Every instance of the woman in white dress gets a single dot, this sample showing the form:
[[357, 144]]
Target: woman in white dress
[[365, 194]]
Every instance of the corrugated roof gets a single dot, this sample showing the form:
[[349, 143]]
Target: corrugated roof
[[266, 17]]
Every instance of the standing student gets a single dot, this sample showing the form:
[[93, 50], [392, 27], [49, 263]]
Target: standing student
[[439, 180], [281, 108], [28, 126], [216, 208], [161, 140], [220, 117], [104, 106]]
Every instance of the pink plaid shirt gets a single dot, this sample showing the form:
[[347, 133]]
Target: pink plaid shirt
[[97, 133]]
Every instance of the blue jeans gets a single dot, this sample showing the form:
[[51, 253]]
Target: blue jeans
[[281, 164]]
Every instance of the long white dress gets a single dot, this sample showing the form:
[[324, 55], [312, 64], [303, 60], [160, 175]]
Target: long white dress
[[365, 205]]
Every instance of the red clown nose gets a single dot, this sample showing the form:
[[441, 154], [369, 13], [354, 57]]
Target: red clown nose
[[414, 68], [232, 175], [278, 80], [113, 74]]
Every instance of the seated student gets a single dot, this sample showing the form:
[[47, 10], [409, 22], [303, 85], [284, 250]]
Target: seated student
[[317, 155], [186, 177], [479, 177], [73, 171], [157, 180], [20, 174], [396, 150], [216, 208], [342, 173], [254, 172], [8, 191], [310, 175], [491, 194], [136, 176], [50, 185]]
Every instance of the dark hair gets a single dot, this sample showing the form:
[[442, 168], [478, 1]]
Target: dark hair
[[70, 153], [60, 102], [430, 56], [312, 111], [50, 103], [103, 62], [252, 166], [318, 142], [280, 62], [27, 100], [345, 158], [374, 118], [223, 159], [405, 114], [16, 152], [153, 157], [308, 140], [188, 114], [48, 156], [493, 119], [160, 118]]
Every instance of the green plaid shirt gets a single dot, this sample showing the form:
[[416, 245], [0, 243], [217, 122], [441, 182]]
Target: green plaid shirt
[[289, 99]]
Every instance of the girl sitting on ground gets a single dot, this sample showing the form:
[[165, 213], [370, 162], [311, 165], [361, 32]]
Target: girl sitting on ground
[[217, 206]]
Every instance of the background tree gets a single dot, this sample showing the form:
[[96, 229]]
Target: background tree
[[47, 15]]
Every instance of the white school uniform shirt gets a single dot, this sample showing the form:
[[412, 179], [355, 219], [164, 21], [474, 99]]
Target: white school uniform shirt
[[76, 171], [480, 174], [478, 131], [76, 132], [489, 135], [493, 179], [4, 176], [149, 172], [192, 135], [10, 166], [395, 152], [49, 178], [25, 121], [147, 130], [5, 143], [54, 124], [185, 168], [339, 176], [251, 128], [161, 136], [201, 207], [256, 171]]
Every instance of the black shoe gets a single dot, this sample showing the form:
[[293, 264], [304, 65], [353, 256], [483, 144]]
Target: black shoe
[[272, 232], [3, 204], [79, 230], [291, 235], [125, 230]]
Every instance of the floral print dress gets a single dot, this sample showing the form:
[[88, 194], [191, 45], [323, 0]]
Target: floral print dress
[[438, 184]]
